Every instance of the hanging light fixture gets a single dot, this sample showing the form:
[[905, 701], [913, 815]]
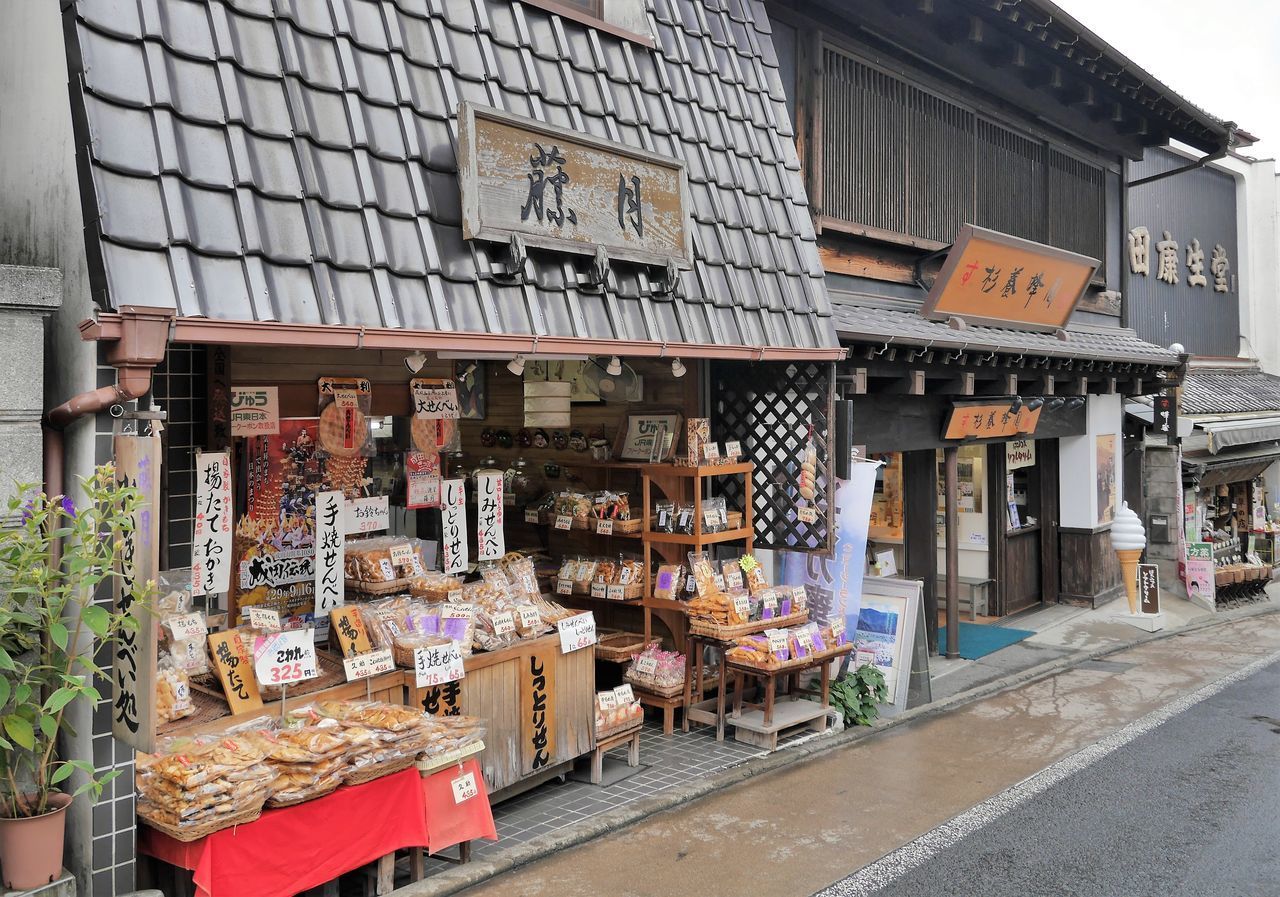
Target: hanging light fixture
[[1016, 405], [677, 368], [614, 367], [1034, 403], [1074, 402], [1055, 403], [414, 361], [516, 365]]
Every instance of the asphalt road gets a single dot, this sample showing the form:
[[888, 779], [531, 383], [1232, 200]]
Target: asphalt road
[[1189, 808]]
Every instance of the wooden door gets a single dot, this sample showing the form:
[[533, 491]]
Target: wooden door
[[1016, 554]]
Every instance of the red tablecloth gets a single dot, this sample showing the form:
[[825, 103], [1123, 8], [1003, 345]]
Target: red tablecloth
[[450, 823], [289, 850]]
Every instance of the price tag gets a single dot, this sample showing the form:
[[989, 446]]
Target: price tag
[[416, 563], [777, 640], [599, 590], [615, 592], [862, 658], [807, 514], [189, 627], [624, 695], [530, 516], [577, 632], [733, 448], [528, 614], [264, 618], [606, 700], [284, 657], [798, 598], [504, 622], [690, 583], [769, 605], [741, 606], [402, 555], [719, 581], [455, 594], [463, 612], [711, 451], [369, 664], [647, 667], [710, 518], [604, 527], [564, 586], [438, 664], [388, 572], [733, 579], [564, 521], [464, 787], [837, 630]]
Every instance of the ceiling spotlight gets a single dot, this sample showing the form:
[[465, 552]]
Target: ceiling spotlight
[[1055, 403], [677, 368], [1016, 405], [516, 365], [614, 367], [1074, 402], [468, 374], [414, 361], [1034, 403]]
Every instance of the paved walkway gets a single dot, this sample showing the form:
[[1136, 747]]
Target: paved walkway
[[801, 828]]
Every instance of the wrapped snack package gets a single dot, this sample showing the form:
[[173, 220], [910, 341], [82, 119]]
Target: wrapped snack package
[[612, 714], [656, 668], [187, 650], [383, 559], [173, 692], [434, 586], [191, 782]]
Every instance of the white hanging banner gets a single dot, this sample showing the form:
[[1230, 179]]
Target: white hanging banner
[[211, 534], [330, 544], [453, 526], [490, 542]]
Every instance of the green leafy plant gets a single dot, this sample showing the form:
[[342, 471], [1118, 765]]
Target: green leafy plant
[[51, 630], [857, 695]]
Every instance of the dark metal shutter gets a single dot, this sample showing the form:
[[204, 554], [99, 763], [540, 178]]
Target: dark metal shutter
[[769, 408]]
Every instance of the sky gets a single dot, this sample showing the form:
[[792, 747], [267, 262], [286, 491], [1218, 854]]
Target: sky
[[1224, 55]]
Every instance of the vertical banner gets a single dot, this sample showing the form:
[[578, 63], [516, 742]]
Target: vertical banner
[[330, 544], [453, 526], [1200, 571], [211, 535], [490, 541], [134, 663], [833, 584], [538, 710]]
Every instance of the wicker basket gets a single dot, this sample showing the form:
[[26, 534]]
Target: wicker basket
[[196, 832], [662, 691], [375, 589], [619, 646], [378, 770], [799, 663], [734, 519], [723, 633]]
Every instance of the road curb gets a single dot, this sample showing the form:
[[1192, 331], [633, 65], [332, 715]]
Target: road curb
[[453, 881]]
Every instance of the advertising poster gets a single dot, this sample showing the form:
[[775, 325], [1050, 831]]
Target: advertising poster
[[884, 631], [1199, 572], [1106, 478]]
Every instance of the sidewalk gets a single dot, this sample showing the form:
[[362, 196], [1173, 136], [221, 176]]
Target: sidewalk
[[1032, 704]]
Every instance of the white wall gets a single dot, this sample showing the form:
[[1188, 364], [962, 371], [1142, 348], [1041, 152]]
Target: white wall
[[1078, 464]]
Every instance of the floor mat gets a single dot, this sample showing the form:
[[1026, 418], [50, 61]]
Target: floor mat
[[979, 641]]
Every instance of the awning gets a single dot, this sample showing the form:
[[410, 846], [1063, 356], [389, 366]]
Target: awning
[[1237, 469], [1225, 434]]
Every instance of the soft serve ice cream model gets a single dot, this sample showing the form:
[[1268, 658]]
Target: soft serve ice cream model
[[1128, 538]]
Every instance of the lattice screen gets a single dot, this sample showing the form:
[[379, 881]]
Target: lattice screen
[[772, 408]]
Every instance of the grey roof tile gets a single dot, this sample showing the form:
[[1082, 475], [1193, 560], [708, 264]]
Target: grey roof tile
[[295, 160], [1228, 391]]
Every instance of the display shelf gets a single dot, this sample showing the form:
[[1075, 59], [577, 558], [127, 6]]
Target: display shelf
[[702, 472], [730, 535]]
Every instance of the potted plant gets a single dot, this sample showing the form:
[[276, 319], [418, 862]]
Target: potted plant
[[858, 695], [52, 567]]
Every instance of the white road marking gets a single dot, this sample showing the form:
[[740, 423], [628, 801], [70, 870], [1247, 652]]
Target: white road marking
[[893, 866]]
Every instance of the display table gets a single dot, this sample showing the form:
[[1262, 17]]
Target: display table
[[289, 850], [767, 721], [451, 822]]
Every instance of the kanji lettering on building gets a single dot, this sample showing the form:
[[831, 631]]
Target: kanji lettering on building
[[1220, 268], [629, 208], [1195, 265], [1168, 259], [968, 269], [1140, 250], [540, 162], [1033, 287], [993, 277], [1011, 285]]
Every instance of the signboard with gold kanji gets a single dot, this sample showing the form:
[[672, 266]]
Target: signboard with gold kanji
[[989, 420], [994, 278], [564, 190]]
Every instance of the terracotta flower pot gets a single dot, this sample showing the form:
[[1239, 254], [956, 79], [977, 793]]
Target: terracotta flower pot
[[31, 847]]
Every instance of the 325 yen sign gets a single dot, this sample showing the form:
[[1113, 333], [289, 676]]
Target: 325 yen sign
[[438, 664], [284, 657]]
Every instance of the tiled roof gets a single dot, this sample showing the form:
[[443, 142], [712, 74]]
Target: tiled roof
[[294, 161], [1228, 391], [902, 325]]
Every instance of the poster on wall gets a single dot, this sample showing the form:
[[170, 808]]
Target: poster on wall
[[422, 470], [1199, 572], [833, 584], [1106, 478], [884, 631]]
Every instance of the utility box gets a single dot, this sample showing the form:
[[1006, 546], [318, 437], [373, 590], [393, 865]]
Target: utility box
[[1159, 529]]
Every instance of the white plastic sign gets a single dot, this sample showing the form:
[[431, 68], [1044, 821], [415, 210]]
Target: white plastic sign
[[577, 632], [564, 521], [187, 627], [604, 527], [528, 616], [624, 695], [646, 667]]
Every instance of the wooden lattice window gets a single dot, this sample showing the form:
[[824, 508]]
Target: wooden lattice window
[[773, 409]]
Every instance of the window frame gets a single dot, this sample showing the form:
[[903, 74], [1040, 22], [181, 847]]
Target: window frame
[[583, 17]]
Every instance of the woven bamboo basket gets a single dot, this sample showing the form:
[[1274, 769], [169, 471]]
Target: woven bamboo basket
[[196, 832], [794, 664], [723, 633], [619, 646], [378, 770]]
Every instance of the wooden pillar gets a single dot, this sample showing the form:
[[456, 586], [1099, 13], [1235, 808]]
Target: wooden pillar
[[951, 455], [920, 531]]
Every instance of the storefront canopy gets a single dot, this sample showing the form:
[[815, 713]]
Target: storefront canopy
[[1225, 434], [296, 163]]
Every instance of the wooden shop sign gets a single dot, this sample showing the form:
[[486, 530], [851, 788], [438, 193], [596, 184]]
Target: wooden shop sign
[[538, 709], [989, 420]]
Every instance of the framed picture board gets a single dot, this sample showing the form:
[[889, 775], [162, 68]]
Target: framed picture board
[[635, 440], [884, 634]]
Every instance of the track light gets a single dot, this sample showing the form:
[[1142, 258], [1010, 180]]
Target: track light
[[1016, 405], [1034, 403], [1055, 403], [414, 361], [614, 367], [468, 374], [677, 368], [516, 365], [1074, 402]]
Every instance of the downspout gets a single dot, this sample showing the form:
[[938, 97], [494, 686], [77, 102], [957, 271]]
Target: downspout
[[144, 336], [1214, 156]]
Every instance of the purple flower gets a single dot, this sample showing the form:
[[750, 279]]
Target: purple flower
[[26, 509], [68, 506]]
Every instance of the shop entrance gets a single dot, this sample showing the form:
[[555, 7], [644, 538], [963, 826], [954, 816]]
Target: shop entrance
[[1023, 530]]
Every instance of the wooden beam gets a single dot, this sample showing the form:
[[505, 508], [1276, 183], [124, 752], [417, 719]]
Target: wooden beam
[[1046, 385], [862, 260], [911, 384], [1074, 386], [1004, 385]]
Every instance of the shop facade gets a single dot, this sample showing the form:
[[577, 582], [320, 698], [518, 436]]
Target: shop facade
[[402, 259]]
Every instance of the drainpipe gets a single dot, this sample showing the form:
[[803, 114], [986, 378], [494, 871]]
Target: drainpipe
[[144, 335], [1220, 153]]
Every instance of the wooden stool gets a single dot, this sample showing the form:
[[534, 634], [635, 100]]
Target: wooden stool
[[629, 737], [667, 705]]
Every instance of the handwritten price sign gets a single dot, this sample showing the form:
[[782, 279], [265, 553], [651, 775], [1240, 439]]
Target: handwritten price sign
[[438, 664], [464, 788], [264, 618], [577, 632], [285, 657], [369, 664]]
